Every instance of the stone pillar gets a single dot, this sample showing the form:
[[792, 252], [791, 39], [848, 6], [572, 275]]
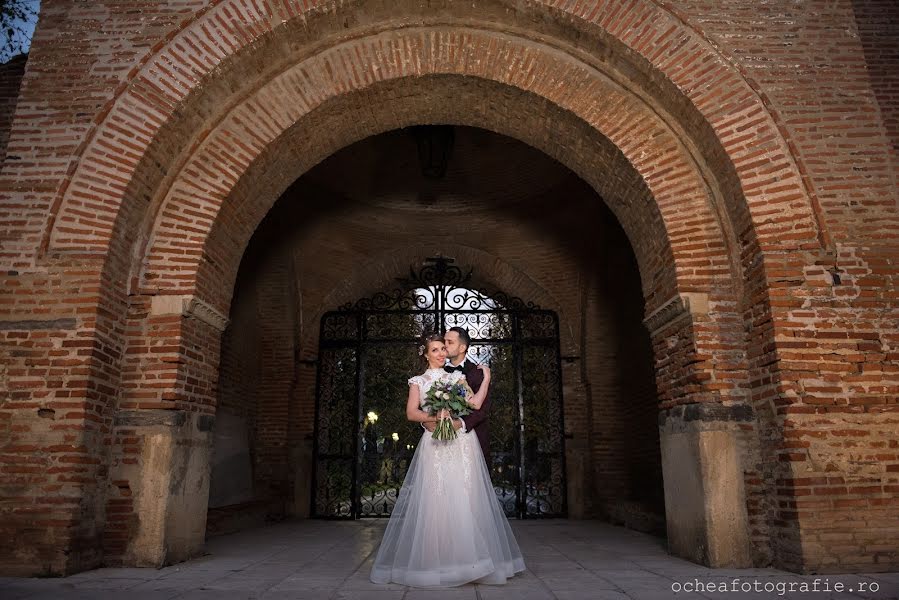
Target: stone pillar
[[169, 484], [705, 500], [703, 407], [160, 469]]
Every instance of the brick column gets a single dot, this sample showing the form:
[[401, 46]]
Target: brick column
[[705, 499], [160, 469], [58, 380]]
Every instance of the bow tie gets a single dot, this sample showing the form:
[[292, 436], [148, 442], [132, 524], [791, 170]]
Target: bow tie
[[451, 368]]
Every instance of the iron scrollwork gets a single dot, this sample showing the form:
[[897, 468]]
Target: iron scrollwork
[[367, 351]]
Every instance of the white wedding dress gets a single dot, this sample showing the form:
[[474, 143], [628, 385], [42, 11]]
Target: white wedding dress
[[447, 527]]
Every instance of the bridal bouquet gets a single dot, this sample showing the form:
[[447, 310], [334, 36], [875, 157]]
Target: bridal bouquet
[[450, 396]]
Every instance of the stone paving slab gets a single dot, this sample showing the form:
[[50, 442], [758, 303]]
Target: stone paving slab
[[328, 560]]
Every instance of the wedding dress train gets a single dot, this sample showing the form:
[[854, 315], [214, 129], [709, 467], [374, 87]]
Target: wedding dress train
[[447, 527]]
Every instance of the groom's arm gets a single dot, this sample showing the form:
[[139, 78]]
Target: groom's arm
[[475, 377], [477, 416]]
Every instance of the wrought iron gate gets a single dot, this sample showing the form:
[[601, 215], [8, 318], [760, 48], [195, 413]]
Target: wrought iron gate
[[368, 350]]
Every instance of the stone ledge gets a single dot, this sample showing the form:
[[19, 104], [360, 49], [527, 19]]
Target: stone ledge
[[189, 306], [705, 415], [150, 418], [675, 309], [161, 417], [32, 324]]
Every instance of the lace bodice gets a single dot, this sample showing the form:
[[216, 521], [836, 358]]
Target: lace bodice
[[429, 377]]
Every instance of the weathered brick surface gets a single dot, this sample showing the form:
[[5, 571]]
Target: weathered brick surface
[[11, 74], [832, 92], [876, 25], [749, 154]]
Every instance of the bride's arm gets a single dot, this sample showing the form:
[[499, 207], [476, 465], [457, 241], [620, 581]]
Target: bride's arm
[[413, 412], [478, 399]]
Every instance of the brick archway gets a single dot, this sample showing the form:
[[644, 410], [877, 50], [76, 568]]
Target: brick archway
[[244, 164], [338, 256], [700, 208], [198, 228], [714, 105], [666, 207]]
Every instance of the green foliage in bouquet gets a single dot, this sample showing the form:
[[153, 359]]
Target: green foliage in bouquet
[[452, 397]]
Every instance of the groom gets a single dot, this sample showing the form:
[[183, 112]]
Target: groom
[[457, 343]]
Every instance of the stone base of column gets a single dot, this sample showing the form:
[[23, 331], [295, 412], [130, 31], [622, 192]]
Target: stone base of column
[[705, 500], [169, 484]]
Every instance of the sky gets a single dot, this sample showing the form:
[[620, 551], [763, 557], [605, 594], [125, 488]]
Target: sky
[[21, 41]]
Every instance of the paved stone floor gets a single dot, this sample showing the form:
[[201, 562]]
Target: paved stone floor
[[321, 560]]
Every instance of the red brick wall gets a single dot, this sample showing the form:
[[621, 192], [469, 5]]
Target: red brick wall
[[241, 368], [239, 373], [11, 74], [832, 89], [276, 310], [879, 37], [776, 122]]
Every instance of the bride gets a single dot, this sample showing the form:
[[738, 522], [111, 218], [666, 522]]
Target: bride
[[447, 527]]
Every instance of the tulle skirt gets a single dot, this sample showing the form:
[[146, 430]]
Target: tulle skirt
[[447, 527]]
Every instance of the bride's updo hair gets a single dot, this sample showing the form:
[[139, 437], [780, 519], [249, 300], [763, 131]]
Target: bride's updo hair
[[426, 340]]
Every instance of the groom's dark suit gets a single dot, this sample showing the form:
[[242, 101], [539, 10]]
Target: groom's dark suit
[[477, 420]]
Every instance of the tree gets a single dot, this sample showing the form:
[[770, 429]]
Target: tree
[[17, 21]]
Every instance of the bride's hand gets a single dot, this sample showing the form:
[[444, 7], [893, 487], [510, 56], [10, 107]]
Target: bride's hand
[[443, 414], [486, 371]]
